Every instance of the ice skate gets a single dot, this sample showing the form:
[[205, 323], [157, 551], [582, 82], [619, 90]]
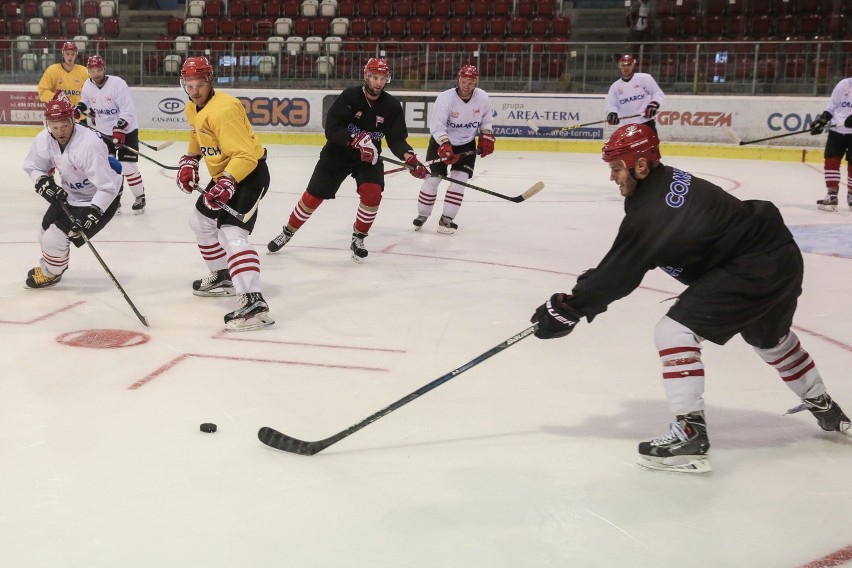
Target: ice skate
[[446, 225], [359, 252], [118, 211], [252, 313], [828, 413], [37, 278], [214, 284], [683, 449], [828, 203], [279, 241], [419, 221], [139, 205]]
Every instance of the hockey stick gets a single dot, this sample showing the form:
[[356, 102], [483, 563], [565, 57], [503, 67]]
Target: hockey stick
[[550, 130], [158, 147], [275, 439], [536, 187], [241, 217], [746, 142], [435, 161], [150, 159], [105, 267]]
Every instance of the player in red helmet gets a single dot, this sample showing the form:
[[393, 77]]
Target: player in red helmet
[[459, 115], [67, 76], [221, 135], [743, 274], [633, 94], [360, 118], [90, 188]]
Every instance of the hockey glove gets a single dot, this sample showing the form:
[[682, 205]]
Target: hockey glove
[[485, 144], [87, 218], [221, 192], [47, 188], [612, 119], [417, 169], [555, 317], [364, 144], [118, 133], [81, 111], [818, 126], [651, 109], [187, 176], [445, 152]]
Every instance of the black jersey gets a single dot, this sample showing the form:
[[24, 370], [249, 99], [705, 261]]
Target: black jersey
[[685, 225], [352, 114]]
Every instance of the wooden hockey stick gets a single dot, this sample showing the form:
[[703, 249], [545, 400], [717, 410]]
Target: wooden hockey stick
[[158, 147], [536, 187], [103, 264], [275, 439], [435, 161], [550, 130]]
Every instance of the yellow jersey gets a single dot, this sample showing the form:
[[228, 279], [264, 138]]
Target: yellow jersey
[[56, 78], [220, 132]]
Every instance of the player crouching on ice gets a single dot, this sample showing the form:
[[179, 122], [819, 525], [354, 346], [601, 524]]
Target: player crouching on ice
[[744, 275], [90, 187]]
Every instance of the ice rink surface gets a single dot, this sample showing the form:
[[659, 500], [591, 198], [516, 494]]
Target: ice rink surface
[[526, 460]]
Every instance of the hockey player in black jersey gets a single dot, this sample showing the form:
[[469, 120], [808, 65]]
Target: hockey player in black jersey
[[744, 274], [356, 124]]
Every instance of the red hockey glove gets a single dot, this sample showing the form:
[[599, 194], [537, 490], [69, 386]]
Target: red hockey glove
[[555, 318], [445, 152], [364, 144], [418, 170], [486, 143], [187, 176], [651, 109], [118, 133], [221, 192]]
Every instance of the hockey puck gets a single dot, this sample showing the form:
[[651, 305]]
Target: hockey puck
[[208, 427]]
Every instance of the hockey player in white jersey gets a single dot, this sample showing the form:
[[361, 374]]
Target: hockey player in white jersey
[[106, 100], [458, 116], [633, 93], [90, 187]]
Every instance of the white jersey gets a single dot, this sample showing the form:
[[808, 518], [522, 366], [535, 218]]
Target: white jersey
[[110, 102], [87, 177], [627, 98], [840, 105], [459, 120]]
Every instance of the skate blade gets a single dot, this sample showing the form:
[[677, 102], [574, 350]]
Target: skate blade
[[138, 211], [217, 293], [258, 321], [832, 208], [358, 259], [679, 464], [446, 230]]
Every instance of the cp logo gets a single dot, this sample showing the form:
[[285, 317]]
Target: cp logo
[[171, 106]]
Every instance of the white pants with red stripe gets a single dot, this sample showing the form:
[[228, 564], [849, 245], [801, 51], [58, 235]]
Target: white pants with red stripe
[[227, 247]]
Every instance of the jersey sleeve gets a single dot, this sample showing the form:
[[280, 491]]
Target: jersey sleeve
[[340, 115], [487, 114], [612, 99], [102, 176], [397, 134], [38, 162], [655, 91], [438, 120], [122, 99], [46, 86], [236, 142]]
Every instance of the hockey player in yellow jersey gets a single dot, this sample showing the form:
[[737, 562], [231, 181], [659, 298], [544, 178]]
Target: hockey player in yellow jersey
[[220, 132], [67, 76]]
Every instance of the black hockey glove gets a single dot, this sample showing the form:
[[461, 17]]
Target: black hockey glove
[[47, 188], [612, 119], [819, 124], [555, 317], [87, 218], [651, 109]]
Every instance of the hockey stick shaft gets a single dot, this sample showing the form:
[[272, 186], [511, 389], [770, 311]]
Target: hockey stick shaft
[[241, 217], [275, 439], [105, 267], [430, 162], [129, 149], [547, 130], [746, 142], [538, 186], [157, 147]]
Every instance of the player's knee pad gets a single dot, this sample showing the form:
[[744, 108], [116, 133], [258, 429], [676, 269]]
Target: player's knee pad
[[459, 175], [833, 163], [201, 225], [668, 333], [235, 239], [371, 194], [54, 241], [310, 201], [430, 185], [129, 168]]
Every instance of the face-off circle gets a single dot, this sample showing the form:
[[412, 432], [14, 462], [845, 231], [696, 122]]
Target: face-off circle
[[103, 338]]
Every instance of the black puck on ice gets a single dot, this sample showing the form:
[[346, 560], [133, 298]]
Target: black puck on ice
[[208, 427]]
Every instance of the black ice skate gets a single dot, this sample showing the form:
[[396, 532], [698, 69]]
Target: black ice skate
[[419, 221], [828, 203], [279, 241], [446, 225], [252, 313], [37, 278], [683, 449], [214, 284], [139, 205], [828, 413], [359, 252]]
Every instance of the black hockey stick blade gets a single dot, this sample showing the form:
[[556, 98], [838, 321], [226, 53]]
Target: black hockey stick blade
[[537, 186], [275, 439], [746, 142], [157, 147]]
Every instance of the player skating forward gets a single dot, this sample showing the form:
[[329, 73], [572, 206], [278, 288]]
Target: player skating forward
[[360, 118], [67, 77], [107, 100], [458, 116], [90, 187], [744, 275], [220, 132], [634, 93], [839, 143]]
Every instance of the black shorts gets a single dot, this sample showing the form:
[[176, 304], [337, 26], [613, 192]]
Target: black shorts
[[754, 296], [837, 145], [329, 175], [465, 163], [56, 216], [249, 191]]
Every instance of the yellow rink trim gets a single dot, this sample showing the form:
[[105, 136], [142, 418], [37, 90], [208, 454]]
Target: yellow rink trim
[[729, 151]]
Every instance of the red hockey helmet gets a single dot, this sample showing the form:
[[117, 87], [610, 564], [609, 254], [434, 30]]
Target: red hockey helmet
[[626, 59], [69, 46], [469, 72], [196, 68], [631, 142], [377, 66], [59, 109], [95, 61]]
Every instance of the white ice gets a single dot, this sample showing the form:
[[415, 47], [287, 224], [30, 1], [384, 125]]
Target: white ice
[[526, 460]]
